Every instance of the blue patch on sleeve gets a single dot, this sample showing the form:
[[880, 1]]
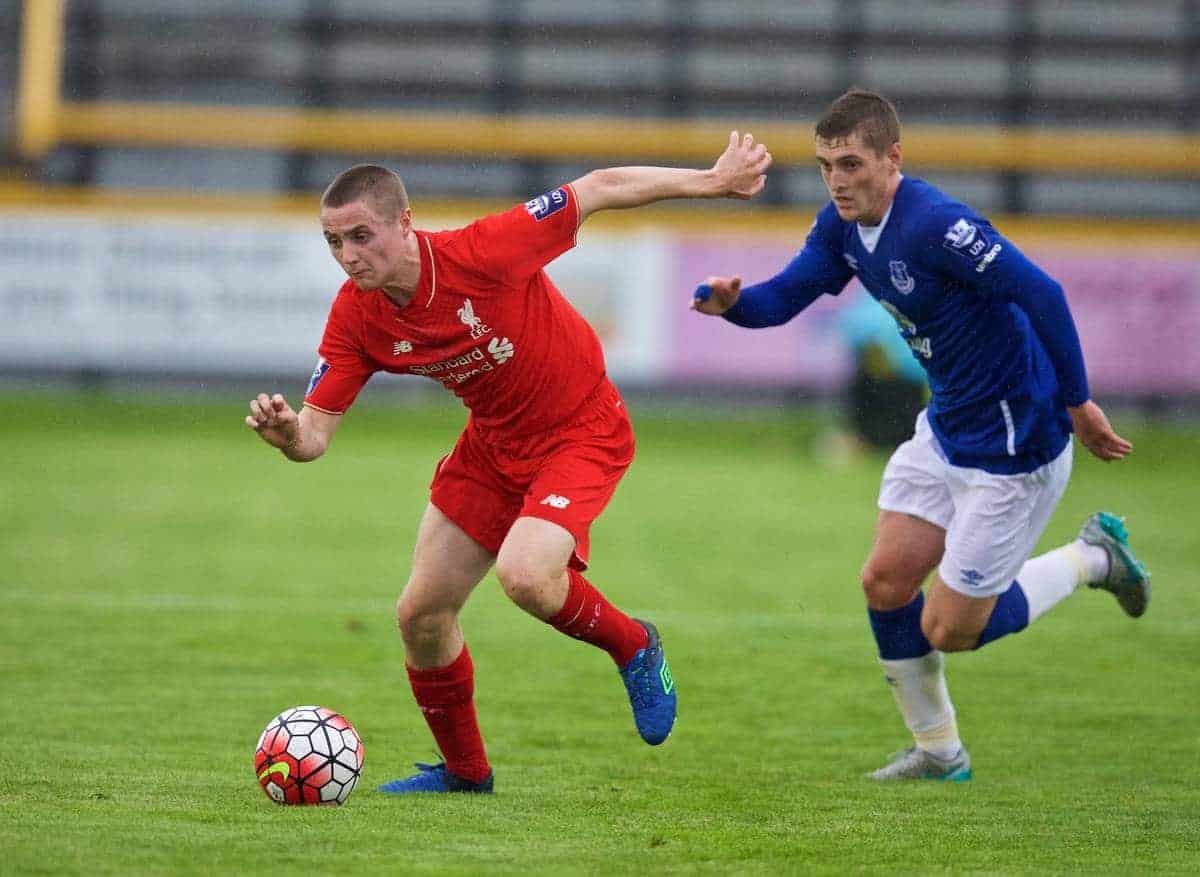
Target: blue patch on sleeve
[[548, 204], [318, 373], [969, 240]]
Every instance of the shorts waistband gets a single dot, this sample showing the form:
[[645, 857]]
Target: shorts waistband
[[593, 403], [596, 404]]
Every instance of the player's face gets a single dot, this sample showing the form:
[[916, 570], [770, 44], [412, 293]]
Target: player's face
[[369, 247], [858, 179]]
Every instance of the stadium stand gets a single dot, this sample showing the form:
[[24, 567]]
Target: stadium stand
[[496, 98]]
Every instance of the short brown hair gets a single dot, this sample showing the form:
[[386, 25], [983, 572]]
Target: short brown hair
[[864, 111], [368, 182]]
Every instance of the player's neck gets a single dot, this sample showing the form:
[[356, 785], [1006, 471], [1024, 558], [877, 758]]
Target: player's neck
[[406, 275], [885, 205]]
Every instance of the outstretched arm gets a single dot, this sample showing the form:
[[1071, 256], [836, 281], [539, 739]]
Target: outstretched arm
[[301, 437], [816, 270], [740, 172]]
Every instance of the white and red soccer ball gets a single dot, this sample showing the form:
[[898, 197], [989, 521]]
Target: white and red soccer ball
[[308, 755]]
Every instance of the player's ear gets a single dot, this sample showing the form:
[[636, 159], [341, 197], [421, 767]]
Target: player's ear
[[405, 220], [895, 155]]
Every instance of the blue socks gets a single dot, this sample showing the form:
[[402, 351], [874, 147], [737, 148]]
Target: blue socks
[[898, 631], [1009, 615]]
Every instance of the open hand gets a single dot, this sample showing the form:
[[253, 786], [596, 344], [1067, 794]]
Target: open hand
[[1096, 433], [741, 170]]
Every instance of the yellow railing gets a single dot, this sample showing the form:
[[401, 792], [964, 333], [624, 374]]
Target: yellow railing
[[603, 139]]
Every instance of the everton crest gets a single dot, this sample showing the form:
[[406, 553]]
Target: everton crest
[[900, 278]]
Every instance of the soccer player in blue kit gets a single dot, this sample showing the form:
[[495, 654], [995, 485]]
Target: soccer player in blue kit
[[968, 496]]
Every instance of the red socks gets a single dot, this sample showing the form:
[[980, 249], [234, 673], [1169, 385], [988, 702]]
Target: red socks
[[446, 698], [588, 616], [446, 694]]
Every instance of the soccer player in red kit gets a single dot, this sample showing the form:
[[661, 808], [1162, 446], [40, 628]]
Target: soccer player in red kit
[[547, 439]]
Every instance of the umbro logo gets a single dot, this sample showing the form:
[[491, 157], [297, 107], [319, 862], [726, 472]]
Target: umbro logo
[[401, 347], [501, 350], [971, 578], [556, 501]]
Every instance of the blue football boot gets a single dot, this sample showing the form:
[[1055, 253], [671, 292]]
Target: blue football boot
[[651, 689], [435, 778]]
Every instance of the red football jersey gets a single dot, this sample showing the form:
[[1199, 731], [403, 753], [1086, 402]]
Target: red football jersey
[[485, 321]]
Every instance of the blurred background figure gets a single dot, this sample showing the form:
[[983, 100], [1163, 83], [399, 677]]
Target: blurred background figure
[[887, 388]]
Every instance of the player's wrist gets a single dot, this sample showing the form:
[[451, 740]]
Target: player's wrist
[[292, 446], [714, 183]]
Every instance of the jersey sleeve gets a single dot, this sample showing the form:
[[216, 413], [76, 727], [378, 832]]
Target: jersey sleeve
[[964, 246], [816, 270], [343, 368], [516, 244]]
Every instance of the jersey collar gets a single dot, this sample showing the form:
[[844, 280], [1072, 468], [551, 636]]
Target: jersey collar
[[427, 283], [869, 234]]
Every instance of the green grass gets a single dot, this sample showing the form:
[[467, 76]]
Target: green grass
[[168, 585]]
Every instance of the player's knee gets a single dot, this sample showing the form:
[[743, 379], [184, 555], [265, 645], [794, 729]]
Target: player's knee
[[885, 589], [946, 638], [522, 580], [420, 625]]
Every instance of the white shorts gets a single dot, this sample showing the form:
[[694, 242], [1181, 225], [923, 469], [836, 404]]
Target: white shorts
[[992, 522]]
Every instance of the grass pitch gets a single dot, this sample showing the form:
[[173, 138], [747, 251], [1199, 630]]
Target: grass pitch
[[169, 585]]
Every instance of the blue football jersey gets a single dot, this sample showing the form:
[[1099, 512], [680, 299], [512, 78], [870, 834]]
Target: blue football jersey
[[966, 301]]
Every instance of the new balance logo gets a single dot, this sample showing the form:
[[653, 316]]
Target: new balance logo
[[501, 349], [401, 347], [556, 501], [467, 314]]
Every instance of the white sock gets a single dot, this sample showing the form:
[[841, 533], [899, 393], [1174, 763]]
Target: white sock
[[919, 686], [1097, 560], [1050, 578]]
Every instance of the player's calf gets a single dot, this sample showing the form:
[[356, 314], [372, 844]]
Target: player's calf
[[955, 622]]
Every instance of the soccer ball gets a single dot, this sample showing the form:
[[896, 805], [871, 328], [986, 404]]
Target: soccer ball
[[308, 755]]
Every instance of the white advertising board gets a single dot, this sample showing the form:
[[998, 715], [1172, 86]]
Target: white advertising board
[[226, 295]]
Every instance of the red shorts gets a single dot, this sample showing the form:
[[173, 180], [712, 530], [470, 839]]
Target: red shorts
[[565, 476]]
